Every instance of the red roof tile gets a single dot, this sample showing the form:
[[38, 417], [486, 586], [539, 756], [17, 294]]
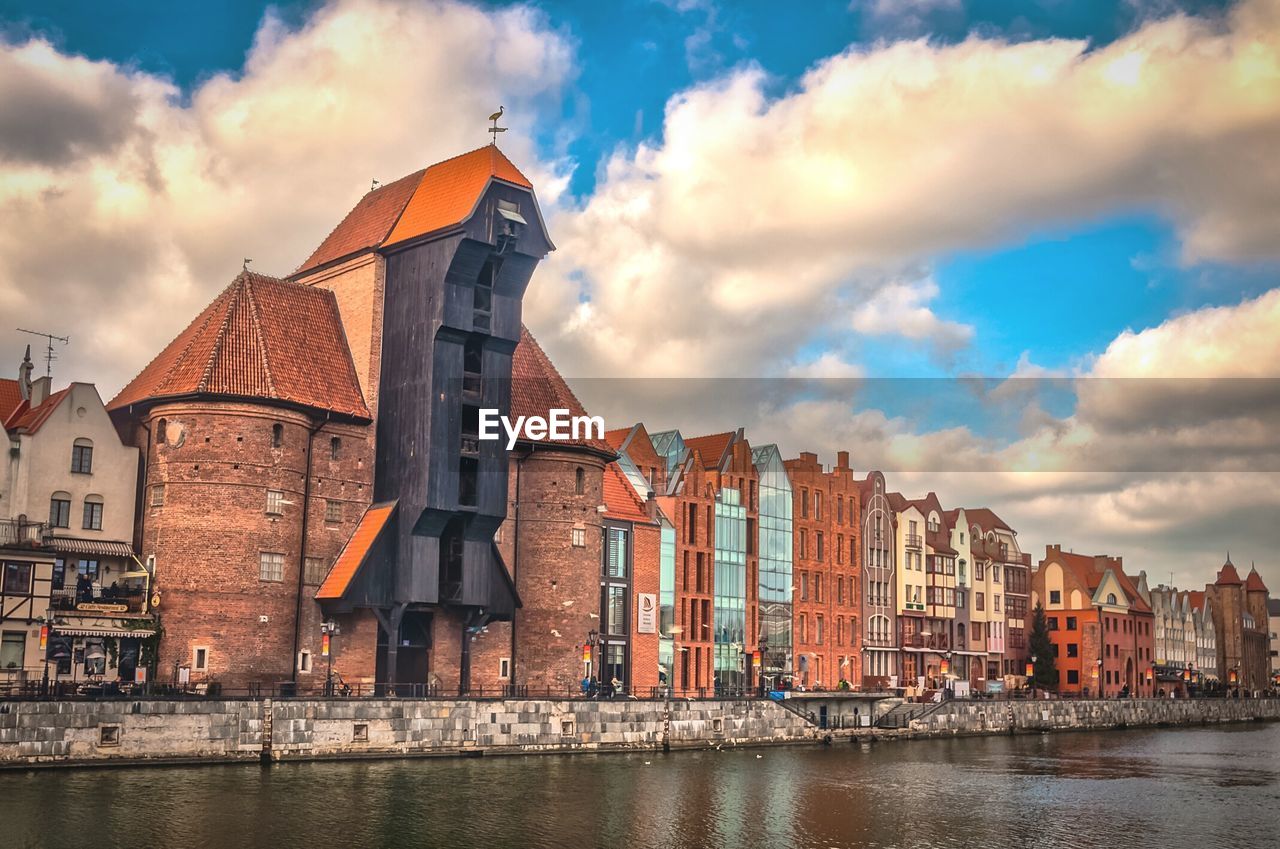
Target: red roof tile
[[10, 397], [536, 388], [353, 553], [1253, 583], [620, 497], [367, 224], [985, 518], [262, 338], [1228, 576], [449, 191], [28, 419], [711, 448], [616, 438]]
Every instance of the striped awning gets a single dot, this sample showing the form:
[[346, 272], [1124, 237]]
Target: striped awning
[[103, 632], [100, 547]]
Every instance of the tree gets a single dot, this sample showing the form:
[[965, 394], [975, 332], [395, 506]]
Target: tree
[[1046, 673]]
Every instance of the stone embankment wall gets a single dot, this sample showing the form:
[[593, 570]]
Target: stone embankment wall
[[42, 733], [965, 717], [100, 733]]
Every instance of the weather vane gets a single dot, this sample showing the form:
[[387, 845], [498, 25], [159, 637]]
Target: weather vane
[[495, 129]]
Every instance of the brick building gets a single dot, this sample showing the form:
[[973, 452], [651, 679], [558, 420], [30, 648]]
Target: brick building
[[255, 438], [1240, 621], [1100, 623], [826, 514], [877, 532]]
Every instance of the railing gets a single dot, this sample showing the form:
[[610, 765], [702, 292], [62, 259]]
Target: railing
[[915, 541], [19, 534]]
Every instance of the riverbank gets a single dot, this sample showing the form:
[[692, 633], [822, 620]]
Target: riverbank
[[38, 734]]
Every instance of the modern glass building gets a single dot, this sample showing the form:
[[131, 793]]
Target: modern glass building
[[666, 602], [775, 562], [730, 598], [669, 444]]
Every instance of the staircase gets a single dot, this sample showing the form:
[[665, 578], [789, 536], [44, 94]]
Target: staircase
[[900, 715]]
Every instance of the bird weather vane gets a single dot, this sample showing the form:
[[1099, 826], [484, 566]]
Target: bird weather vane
[[495, 129]]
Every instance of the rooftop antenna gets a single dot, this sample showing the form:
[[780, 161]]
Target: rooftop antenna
[[495, 129], [373, 185], [49, 355]]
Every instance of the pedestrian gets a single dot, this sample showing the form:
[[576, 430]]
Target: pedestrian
[[617, 687]]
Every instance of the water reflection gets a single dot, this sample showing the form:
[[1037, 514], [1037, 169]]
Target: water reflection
[[1200, 788]]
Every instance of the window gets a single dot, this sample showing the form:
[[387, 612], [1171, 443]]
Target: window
[[979, 571], [817, 629], [615, 609], [335, 448], [200, 659], [615, 552], [1071, 623], [804, 586], [819, 540], [314, 570], [804, 544], [579, 537], [275, 502], [88, 568], [13, 650], [817, 587], [60, 510], [1052, 622], [995, 602], [980, 601], [579, 478], [817, 505], [157, 495], [277, 435], [1073, 676], [162, 431], [93, 512], [1073, 649], [304, 661], [504, 667], [332, 512], [1055, 596], [271, 566], [82, 457], [17, 578], [840, 589]]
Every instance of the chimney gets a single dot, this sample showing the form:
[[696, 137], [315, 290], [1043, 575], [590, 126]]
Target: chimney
[[842, 460], [24, 376], [39, 391], [808, 458]]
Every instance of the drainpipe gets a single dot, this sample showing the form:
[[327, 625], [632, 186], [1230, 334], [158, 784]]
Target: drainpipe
[[302, 548], [515, 565]]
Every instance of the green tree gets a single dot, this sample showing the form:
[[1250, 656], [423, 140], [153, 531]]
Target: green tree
[[1046, 673]]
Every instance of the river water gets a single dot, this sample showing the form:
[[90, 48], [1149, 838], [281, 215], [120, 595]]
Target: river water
[[1198, 788]]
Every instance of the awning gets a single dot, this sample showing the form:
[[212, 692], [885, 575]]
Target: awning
[[100, 547], [354, 552], [103, 632]]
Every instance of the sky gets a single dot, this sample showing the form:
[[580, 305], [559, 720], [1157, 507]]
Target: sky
[[1026, 254]]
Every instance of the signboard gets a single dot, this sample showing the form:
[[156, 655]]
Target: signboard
[[647, 618], [102, 607], [140, 675]]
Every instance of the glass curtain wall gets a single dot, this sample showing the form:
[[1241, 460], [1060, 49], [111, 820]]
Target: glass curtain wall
[[666, 602], [775, 566], [730, 589]]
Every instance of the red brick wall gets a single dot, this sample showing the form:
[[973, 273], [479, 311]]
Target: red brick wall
[[216, 466], [694, 635], [558, 583], [646, 541]]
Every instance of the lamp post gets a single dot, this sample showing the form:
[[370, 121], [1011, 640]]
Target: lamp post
[[586, 656], [1031, 675], [328, 629], [1097, 673], [764, 647]]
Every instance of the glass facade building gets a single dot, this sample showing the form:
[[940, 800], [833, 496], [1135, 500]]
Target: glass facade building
[[775, 562], [666, 602], [730, 598]]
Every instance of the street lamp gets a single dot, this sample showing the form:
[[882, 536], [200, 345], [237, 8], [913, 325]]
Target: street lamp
[[586, 657], [328, 630], [764, 647]]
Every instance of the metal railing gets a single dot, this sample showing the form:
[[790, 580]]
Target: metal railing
[[19, 534]]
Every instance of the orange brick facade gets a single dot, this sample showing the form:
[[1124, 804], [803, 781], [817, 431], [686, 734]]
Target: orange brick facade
[[826, 557]]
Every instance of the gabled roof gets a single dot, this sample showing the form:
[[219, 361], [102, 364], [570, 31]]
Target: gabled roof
[[354, 552], [618, 437], [10, 397], [986, 518], [367, 224], [28, 419], [261, 339], [620, 499], [1253, 583], [711, 448], [1196, 599], [441, 196], [536, 388], [1228, 576]]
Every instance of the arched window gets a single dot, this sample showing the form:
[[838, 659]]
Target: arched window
[[162, 432], [335, 448], [60, 510], [1111, 598], [578, 481], [277, 435], [93, 512], [82, 456]]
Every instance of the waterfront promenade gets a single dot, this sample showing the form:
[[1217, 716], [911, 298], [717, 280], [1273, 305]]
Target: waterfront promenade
[[71, 733]]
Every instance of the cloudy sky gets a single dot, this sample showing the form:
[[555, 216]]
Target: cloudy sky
[[1026, 254]]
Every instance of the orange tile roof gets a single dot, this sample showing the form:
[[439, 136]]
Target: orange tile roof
[[620, 497], [617, 437], [1253, 583], [28, 419], [449, 191], [536, 388], [367, 224], [10, 397], [1228, 576], [711, 448], [985, 518], [353, 553], [262, 338]]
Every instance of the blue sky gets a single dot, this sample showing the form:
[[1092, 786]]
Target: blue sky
[[1055, 296]]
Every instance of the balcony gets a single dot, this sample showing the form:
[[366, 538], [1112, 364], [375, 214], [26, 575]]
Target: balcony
[[20, 534], [97, 600], [915, 541]]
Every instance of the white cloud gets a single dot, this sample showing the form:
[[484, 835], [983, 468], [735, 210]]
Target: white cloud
[[127, 207], [900, 308]]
